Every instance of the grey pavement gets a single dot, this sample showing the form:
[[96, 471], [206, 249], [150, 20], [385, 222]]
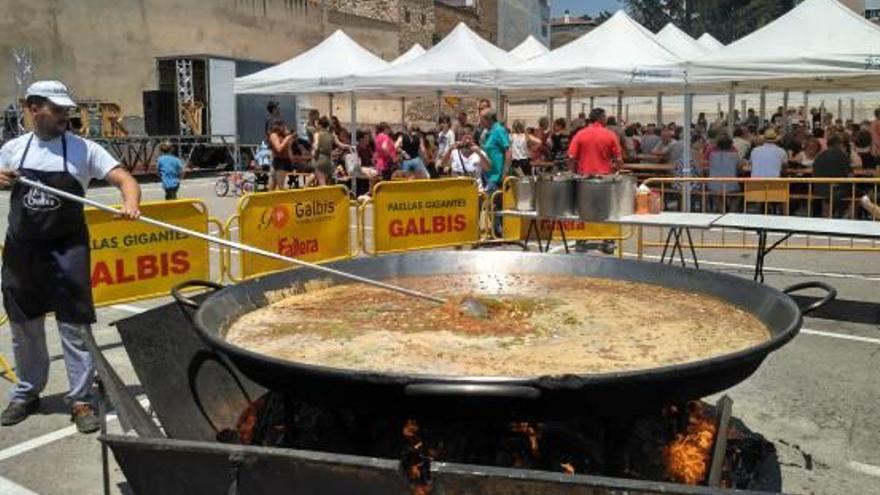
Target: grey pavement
[[817, 397]]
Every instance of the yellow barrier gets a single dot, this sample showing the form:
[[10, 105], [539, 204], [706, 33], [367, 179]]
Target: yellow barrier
[[135, 260], [425, 214], [309, 224], [811, 197], [516, 229], [6, 370]]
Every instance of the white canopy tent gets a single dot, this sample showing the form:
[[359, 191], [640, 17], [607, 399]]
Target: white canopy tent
[[413, 53], [461, 63], [709, 42], [529, 49], [680, 43], [322, 69], [820, 44], [620, 54]]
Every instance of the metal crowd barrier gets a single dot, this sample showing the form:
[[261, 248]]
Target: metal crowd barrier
[[807, 197]]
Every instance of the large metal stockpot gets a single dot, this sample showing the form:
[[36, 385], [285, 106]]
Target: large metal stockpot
[[605, 197], [530, 396], [554, 195], [525, 194]]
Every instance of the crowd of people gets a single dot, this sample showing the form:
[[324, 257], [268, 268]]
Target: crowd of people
[[797, 141]]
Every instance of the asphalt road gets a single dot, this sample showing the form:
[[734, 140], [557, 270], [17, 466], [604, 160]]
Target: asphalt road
[[816, 398]]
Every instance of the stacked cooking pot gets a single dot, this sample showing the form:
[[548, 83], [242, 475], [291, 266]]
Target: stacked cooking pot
[[595, 198]]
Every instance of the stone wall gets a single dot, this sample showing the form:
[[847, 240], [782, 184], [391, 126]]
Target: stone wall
[[448, 17], [414, 18], [105, 49]]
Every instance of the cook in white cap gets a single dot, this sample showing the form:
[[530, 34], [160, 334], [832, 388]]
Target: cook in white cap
[[46, 252]]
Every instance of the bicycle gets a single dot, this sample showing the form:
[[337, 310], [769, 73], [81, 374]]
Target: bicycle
[[240, 183]]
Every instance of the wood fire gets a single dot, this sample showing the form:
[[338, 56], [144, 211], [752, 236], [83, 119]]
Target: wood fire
[[688, 456]]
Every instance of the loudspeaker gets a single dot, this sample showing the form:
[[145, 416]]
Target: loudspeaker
[[159, 114]]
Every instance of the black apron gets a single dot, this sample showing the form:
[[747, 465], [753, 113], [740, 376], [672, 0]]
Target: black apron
[[46, 263]]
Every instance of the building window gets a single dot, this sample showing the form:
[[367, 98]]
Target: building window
[[406, 16], [424, 19]]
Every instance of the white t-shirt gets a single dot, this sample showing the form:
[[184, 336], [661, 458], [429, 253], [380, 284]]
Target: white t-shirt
[[444, 141], [519, 147], [86, 160], [767, 160], [467, 165]]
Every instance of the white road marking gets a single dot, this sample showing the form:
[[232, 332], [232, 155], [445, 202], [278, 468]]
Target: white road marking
[[772, 269], [9, 487], [835, 335], [53, 436], [863, 468], [129, 308]]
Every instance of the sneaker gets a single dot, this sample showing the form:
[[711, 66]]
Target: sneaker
[[16, 412], [83, 416]]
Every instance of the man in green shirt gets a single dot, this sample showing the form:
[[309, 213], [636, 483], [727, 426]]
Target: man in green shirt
[[496, 146]]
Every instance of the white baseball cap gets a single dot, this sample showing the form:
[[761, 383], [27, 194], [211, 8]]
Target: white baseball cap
[[54, 91]]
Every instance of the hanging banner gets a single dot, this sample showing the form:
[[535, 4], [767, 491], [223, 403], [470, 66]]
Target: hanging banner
[[134, 260], [425, 214], [308, 224]]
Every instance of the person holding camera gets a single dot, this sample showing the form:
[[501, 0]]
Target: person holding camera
[[466, 159]]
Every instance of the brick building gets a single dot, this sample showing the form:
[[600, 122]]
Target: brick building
[[415, 19]]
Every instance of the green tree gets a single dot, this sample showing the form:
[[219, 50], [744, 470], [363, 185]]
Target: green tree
[[727, 20]]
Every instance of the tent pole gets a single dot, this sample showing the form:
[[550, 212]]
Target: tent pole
[[840, 109], [330, 104], [763, 107], [568, 104], [731, 107], [619, 106], [688, 118], [785, 121], [626, 114], [352, 138], [743, 109], [660, 109], [807, 117], [852, 110], [592, 103], [439, 105], [550, 110], [402, 112]]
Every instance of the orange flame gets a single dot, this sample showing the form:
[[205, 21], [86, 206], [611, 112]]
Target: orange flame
[[568, 467], [247, 421], [687, 457]]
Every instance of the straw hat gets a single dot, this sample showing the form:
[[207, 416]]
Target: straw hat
[[770, 135]]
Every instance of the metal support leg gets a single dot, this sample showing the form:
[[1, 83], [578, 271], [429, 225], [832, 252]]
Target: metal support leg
[[763, 251], [666, 246], [678, 247], [691, 246], [533, 226], [564, 240], [102, 415], [549, 237]]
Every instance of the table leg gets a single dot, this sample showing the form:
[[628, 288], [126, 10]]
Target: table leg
[[564, 240], [759, 261], [532, 226], [678, 247], [549, 237], [691, 246], [666, 246]]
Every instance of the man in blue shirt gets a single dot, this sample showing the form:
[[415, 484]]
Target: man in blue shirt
[[170, 170]]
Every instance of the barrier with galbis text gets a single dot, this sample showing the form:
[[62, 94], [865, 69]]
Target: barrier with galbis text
[[425, 214], [307, 224], [135, 260]]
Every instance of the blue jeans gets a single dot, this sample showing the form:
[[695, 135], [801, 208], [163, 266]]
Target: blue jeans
[[415, 165], [497, 222], [32, 360]]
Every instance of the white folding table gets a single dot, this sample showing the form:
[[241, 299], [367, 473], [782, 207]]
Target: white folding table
[[789, 226]]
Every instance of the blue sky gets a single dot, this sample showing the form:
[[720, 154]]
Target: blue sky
[[583, 6]]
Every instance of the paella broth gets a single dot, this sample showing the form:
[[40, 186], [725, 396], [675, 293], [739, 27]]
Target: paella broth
[[538, 325]]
